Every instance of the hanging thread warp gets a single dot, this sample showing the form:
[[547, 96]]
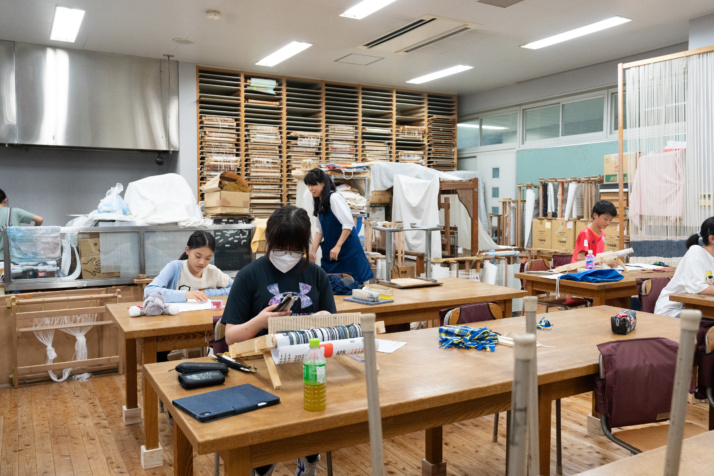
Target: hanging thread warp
[[464, 337], [80, 346]]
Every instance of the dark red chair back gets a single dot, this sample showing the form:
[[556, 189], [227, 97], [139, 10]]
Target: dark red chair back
[[648, 297], [478, 312]]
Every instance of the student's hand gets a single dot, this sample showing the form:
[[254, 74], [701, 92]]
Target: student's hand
[[323, 313], [335, 252], [313, 256], [270, 312], [199, 296]]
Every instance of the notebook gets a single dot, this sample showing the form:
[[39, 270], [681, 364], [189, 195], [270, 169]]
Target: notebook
[[226, 402]]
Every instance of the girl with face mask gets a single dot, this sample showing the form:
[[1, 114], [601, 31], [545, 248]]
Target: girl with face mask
[[262, 285], [192, 276]]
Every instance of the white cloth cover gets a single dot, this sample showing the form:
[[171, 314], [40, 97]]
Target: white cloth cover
[[417, 201], [383, 174], [572, 191], [164, 199], [530, 204]]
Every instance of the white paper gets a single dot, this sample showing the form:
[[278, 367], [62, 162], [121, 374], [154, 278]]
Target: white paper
[[192, 305], [388, 346]]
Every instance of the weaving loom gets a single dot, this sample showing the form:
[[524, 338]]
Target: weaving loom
[[338, 327]]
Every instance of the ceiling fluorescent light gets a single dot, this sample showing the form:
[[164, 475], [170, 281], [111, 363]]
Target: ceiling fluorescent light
[[472, 126], [291, 49], [578, 32], [476, 126], [66, 24], [366, 8], [440, 74]]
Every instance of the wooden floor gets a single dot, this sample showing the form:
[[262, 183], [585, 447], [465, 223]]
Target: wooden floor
[[76, 428]]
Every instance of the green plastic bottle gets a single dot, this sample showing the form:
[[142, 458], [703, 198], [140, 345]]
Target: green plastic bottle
[[314, 378]]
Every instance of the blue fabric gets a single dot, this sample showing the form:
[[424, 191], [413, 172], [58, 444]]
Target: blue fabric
[[594, 276], [351, 259], [339, 288], [167, 281]]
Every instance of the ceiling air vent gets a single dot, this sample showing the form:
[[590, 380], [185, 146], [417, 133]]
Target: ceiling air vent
[[415, 35]]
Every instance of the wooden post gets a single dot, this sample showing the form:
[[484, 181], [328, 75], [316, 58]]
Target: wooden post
[[678, 414], [374, 415], [530, 305], [620, 146], [524, 347]]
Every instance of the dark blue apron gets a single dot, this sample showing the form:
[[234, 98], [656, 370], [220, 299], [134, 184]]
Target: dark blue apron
[[351, 259]]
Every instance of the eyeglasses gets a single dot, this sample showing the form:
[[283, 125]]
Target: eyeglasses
[[281, 253]]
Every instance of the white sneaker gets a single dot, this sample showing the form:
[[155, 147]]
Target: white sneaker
[[306, 469], [267, 473]]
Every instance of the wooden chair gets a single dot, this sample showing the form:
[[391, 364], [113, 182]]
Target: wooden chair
[[27, 308], [648, 290], [635, 387]]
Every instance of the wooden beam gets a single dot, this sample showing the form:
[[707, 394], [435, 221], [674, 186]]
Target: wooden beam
[[74, 364]]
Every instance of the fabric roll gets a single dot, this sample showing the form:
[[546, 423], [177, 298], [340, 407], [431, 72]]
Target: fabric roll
[[572, 190]]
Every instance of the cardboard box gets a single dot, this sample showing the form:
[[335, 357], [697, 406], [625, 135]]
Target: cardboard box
[[580, 225], [542, 234], [378, 213], [563, 235], [238, 202], [232, 211], [381, 196], [611, 163], [90, 258], [612, 237]]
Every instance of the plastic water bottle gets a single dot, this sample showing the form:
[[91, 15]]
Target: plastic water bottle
[[315, 378], [590, 260]]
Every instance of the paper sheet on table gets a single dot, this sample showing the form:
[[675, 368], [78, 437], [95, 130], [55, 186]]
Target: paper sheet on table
[[639, 266], [192, 305], [552, 276], [388, 346]]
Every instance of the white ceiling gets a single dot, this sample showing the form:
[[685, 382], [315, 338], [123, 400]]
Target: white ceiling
[[250, 30]]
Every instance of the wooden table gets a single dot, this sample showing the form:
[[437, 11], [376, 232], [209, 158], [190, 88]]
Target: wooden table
[[156, 334], [424, 304], [421, 386], [192, 329], [598, 292], [697, 458], [702, 302]]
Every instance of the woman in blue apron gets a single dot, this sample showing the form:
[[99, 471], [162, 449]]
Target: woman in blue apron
[[341, 248]]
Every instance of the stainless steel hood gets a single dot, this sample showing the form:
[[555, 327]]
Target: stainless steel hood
[[77, 98]]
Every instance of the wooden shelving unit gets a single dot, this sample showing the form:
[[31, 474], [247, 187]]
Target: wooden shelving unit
[[264, 126]]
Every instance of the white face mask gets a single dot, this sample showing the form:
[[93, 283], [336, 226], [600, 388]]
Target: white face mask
[[284, 260]]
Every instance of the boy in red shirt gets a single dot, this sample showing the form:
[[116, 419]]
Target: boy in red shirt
[[593, 237]]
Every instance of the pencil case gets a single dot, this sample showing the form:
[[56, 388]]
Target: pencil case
[[201, 379], [195, 367]]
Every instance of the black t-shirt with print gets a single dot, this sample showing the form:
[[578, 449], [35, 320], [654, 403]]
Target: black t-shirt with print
[[260, 284]]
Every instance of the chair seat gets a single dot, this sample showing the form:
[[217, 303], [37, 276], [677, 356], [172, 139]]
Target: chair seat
[[651, 437]]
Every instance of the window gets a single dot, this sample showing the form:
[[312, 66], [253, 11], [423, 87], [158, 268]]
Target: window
[[499, 129], [542, 123], [583, 117], [494, 192], [494, 210], [495, 172], [467, 134]]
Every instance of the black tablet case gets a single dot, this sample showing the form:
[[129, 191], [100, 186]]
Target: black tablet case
[[226, 402]]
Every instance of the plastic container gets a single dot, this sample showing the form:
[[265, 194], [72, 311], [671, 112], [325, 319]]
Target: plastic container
[[315, 378], [590, 260]]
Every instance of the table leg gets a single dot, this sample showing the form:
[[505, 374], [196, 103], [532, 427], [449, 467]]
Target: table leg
[[151, 453], [508, 311], [529, 288], [131, 413], [544, 418], [711, 418], [236, 462], [433, 463], [183, 453], [598, 301]]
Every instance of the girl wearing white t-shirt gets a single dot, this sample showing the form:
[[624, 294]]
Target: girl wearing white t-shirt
[[192, 276], [695, 273]]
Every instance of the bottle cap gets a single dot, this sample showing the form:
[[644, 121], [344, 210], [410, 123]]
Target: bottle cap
[[314, 342]]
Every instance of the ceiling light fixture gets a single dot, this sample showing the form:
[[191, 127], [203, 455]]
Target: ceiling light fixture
[[576, 33], [214, 15], [291, 49], [182, 41], [440, 74], [66, 24], [476, 126], [365, 8]]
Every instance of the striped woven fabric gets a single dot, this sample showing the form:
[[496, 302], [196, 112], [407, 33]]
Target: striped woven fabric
[[465, 337]]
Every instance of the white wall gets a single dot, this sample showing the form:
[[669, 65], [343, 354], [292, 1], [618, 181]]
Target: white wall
[[187, 165], [701, 32], [484, 163], [589, 78]]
